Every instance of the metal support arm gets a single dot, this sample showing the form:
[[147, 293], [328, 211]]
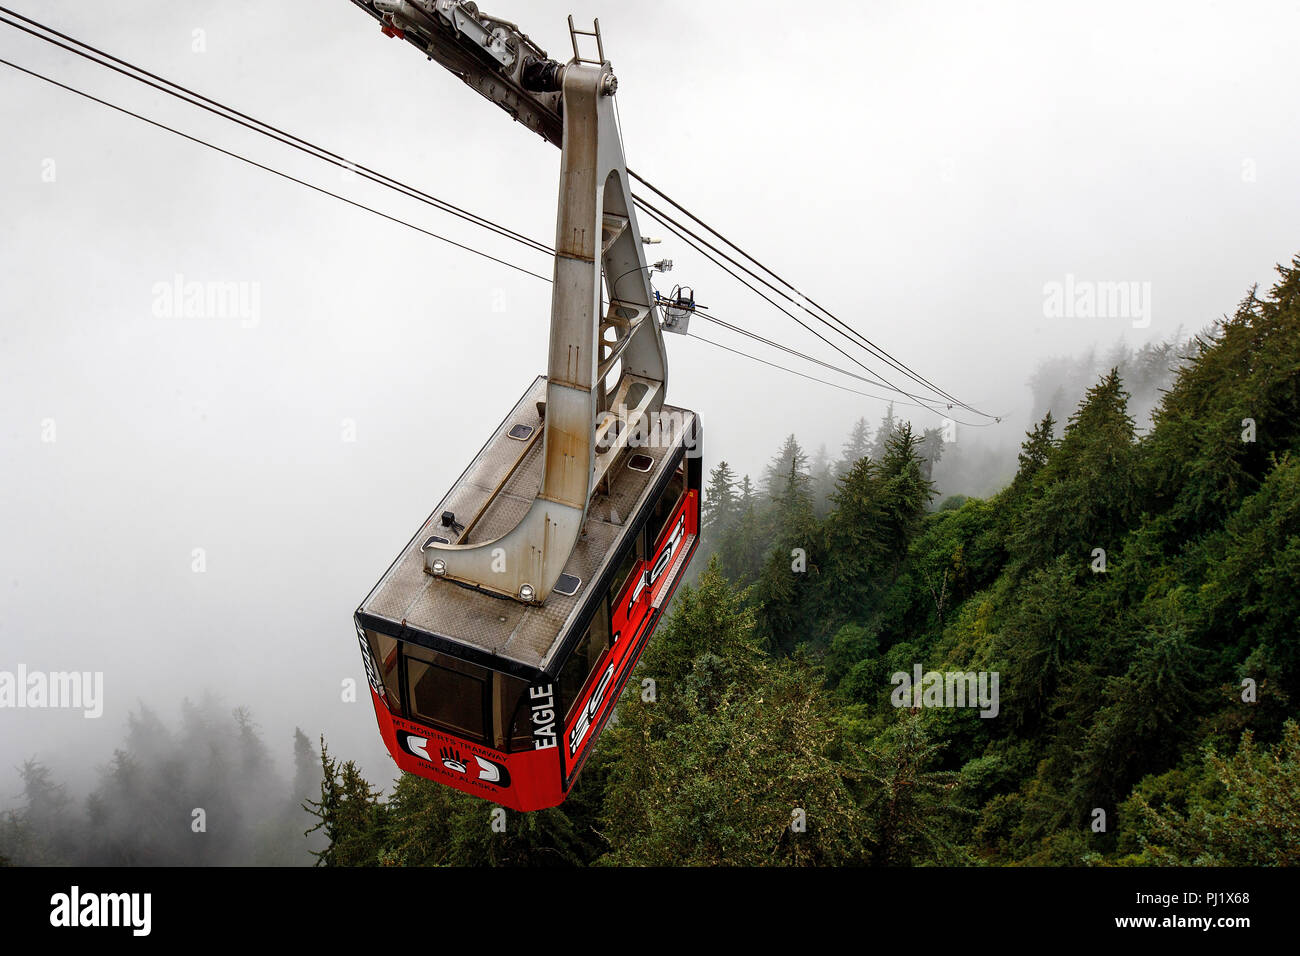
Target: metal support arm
[[596, 237]]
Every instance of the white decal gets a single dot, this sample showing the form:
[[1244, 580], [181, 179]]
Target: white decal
[[588, 713], [543, 717], [452, 760], [367, 658], [488, 771]]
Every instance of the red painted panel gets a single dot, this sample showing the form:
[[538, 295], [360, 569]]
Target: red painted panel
[[529, 780], [532, 779], [630, 614]]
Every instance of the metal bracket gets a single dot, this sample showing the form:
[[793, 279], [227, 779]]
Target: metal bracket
[[589, 421]]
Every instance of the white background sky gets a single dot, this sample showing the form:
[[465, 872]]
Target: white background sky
[[922, 168]]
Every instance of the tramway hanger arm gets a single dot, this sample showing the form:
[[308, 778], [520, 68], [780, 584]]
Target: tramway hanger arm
[[493, 57], [606, 365]]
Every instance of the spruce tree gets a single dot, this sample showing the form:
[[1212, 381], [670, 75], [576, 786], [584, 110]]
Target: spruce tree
[[721, 505], [791, 456], [349, 813], [1089, 489], [930, 450], [883, 433], [1036, 449], [822, 482], [858, 445], [743, 545], [784, 581]]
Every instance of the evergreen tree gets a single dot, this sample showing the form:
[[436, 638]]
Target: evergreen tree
[[712, 771], [822, 482], [306, 766], [884, 432], [1144, 721], [1238, 810], [904, 492], [40, 833], [783, 583], [858, 445], [878, 506], [721, 505], [929, 450], [1088, 491], [350, 815], [911, 804], [429, 824], [1034, 452], [744, 545], [790, 458]]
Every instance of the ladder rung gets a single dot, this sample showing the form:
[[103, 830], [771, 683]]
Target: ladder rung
[[617, 348], [614, 226]]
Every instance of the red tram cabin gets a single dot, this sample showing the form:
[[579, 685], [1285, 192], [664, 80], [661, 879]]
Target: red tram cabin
[[505, 700]]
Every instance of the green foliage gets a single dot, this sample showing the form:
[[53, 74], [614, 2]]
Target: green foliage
[[772, 738], [432, 825], [879, 506], [737, 747], [349, 813], [1086, 493], [741, 544], [1242, 810], [911, 805], [852, 644], [1144, 720], [1250, 592]]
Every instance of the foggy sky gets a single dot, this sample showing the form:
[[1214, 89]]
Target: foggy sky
[[923, 169]]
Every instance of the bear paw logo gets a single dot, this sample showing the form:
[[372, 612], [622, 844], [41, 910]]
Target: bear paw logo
[[451, 759]]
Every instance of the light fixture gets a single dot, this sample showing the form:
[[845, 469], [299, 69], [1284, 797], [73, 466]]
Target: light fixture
[[439, 567], [526, 592]]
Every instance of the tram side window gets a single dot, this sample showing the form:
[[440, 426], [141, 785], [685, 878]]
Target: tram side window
[[625, 569], [511, 713], [664, 508], [447, 693], [521, 727], [585, 657], [384, 650]]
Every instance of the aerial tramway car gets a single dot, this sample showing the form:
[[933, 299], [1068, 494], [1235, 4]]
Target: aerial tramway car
[[498, 643]]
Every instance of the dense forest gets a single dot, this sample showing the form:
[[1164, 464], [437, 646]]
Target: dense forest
[[1126, 603], [1135, 590]]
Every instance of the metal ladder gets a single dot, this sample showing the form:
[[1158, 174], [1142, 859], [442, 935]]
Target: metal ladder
[[574, 33]]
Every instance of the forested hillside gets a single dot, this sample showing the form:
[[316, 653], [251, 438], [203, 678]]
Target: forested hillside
[[1125, 608], [1136, 595]]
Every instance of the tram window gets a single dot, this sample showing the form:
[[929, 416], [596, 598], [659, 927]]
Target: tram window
[[384, 650], [585, 657], [625, 569], [447, 692], [665, 507], [510, 713], [520, 733]]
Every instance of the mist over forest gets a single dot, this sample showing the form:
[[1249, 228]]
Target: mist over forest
[[198, 786], [210, 756]]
